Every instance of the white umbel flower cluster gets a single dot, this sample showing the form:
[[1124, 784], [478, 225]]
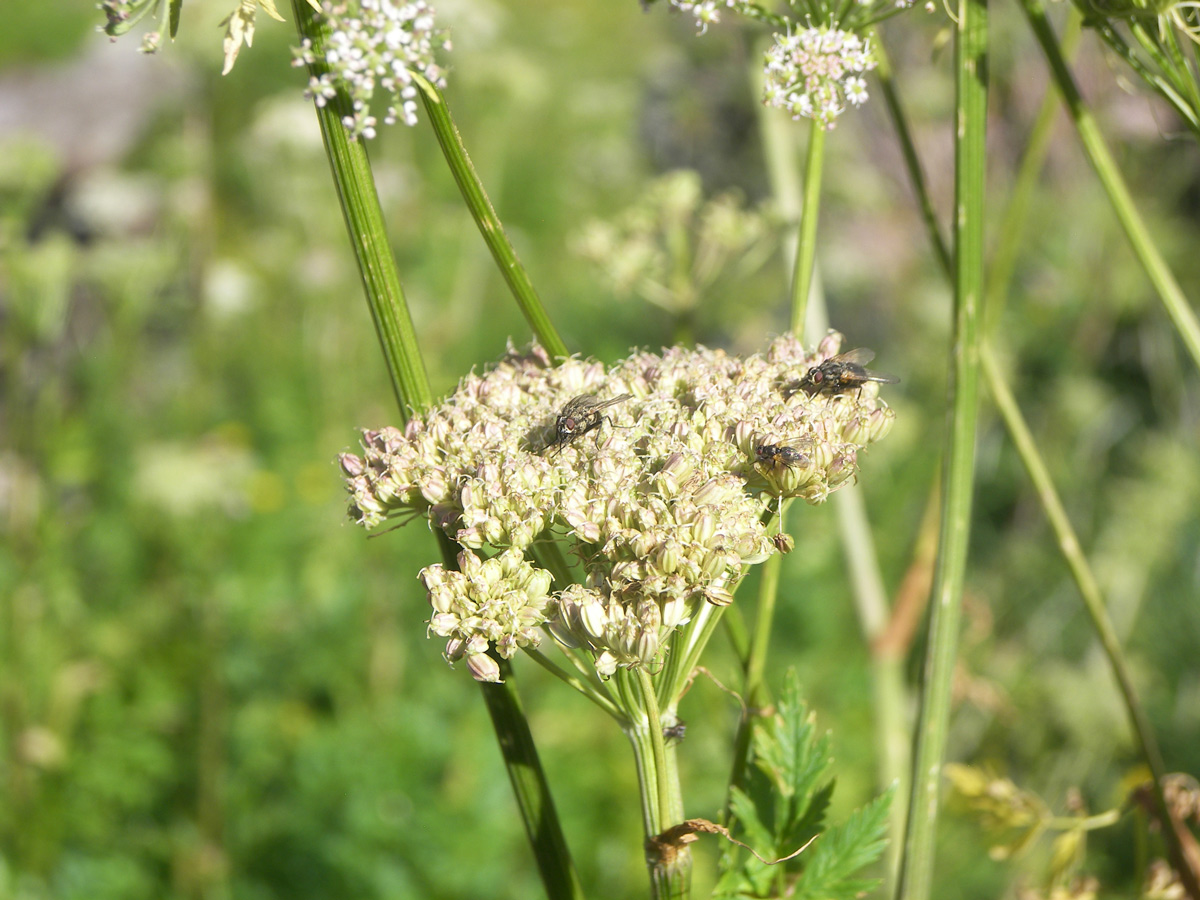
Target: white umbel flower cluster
[[815, 72], [375, 45], [660, 498]]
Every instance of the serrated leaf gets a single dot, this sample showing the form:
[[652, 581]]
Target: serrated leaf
[[803, 828], [750, 826], [173, 17], [794, 757], [844, 849]]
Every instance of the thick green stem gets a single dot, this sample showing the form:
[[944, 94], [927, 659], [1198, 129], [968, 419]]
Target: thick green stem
[[480, 206], [381, 281], [368, 236], [806, 247], [1097, 152], [525, 773], [916, 872], [542, 826]]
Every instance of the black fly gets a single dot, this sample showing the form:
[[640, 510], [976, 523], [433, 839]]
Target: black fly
[[579, 416], [779, 455], [842, 373]]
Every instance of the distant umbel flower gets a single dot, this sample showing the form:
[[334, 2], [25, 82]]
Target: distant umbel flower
[[815, 72], [661, 500], [706, 12], [375, 45]]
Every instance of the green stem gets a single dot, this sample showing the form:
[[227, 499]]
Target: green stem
[[760, 638], [381, 281], [524, 767], [1165, 87], [368, 236], [589, 690], [916, 872], [911, 161], [1156, 268], [658, 782], [1093, 600], [542, 826], [806, 246], [480, 206]]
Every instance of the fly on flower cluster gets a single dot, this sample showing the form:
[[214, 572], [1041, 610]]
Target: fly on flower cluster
[[580, 415], [844, 372], [775, 455]]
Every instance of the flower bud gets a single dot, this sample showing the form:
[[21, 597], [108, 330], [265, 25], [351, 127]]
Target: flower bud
[[443, 624], [666, 559], [352, 466], [879, 423], [646, 647], [560, 630], [704, 528], [606, 664], [484, 668]]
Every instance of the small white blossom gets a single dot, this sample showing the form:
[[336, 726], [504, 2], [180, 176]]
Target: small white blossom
[[375, 45]]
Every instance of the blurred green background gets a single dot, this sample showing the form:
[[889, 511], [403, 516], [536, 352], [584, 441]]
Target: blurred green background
[[214, 686]]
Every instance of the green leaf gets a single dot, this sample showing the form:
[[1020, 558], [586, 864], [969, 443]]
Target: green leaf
[[751, 827], [844, 849], [793, 756], [173, 17], [808, 825]]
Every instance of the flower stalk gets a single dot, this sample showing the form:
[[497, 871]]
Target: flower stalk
[[359, 199], [916, 868], [480, 207]]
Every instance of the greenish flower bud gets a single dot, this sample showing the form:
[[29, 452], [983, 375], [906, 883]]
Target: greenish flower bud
[[879, 423], [484, 668]]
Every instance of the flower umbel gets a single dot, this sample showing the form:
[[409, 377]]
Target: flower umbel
[[662, 504], [814, 73], [375, 45]]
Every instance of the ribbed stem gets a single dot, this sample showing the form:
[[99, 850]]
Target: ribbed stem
[[658, 783], [806, 246], [916, 871], [368, 236], [481, 210]]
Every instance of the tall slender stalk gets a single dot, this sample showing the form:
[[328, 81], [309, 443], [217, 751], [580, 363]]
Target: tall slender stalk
[[381, 282], [368, 236], [1097, 152], [806, 246], [481, 210], [916, 870]]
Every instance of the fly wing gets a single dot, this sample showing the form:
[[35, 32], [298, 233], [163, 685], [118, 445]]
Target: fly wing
[[859, 356], [605, 404], [881, 378]]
